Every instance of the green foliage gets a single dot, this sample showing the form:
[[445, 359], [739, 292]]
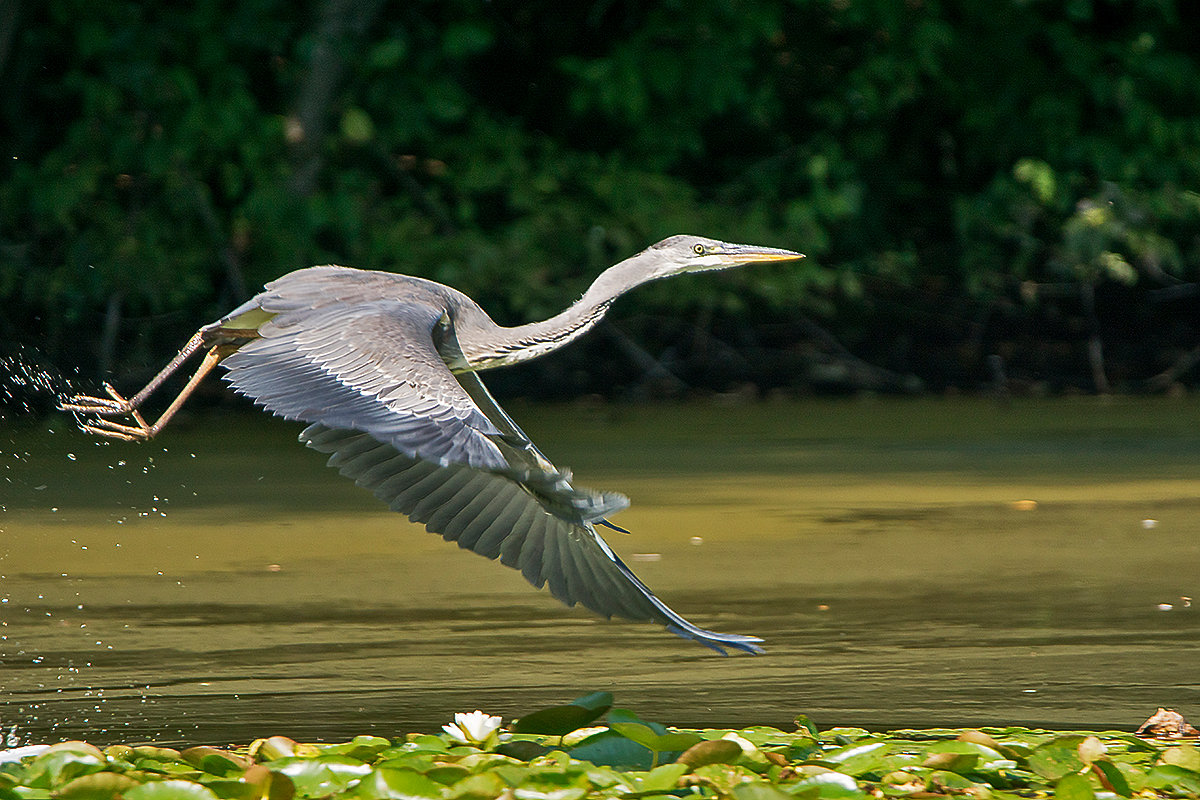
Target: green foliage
[[166, 160], [755, 762]]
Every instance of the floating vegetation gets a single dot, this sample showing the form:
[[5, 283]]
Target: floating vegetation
[[626, 758]]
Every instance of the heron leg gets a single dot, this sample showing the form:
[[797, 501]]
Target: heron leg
[[142, 431], [117, 405]]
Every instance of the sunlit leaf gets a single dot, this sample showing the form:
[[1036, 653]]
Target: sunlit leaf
[[829, 785], [170, 790], [718, 751], [662, 778], [214, 761], [322, 775], [1074, 787], [1056, 758], [659, 743], [398, 784], [485, 787], [98, 786], [1186, 756], [1173, 778], [760, 791]]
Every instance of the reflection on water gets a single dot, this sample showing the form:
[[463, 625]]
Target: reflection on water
[[220, 584]]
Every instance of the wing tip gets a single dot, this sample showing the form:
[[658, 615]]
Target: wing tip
[[719, 641]]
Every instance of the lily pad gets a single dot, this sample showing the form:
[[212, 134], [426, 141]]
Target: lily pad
[[658, 742], [1074, 787], [97, 786], [170, 790], [717, 751], [398, 784], [1186, 756], [561, 720]]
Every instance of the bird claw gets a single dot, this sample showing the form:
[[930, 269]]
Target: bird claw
[[87, 404], [115, 430], [102, 407]]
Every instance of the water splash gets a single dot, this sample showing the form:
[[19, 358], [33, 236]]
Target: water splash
[[28, 385]]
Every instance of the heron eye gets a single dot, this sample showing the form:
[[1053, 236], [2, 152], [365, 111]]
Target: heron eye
[[698, 249]]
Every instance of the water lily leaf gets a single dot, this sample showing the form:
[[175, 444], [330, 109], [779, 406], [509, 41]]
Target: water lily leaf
[[802, 748], [952, 762], [943, 781], [273, 748], [360, 747], [961, 747], [565, 793], [57, 765], [611, 749], [447, 774], [718, 751], [485, 787], [214, 761], [757, 790], [1074, 787], [120, 752], [1056, 758], [558, 720], [858, 759], [660, 779], [74, 747], [1173, 778], [323, 775], [979, 737], [149, 751], [170, 790], [1111, 777], [595, 700], [625, 715], [522, 749], [427, 742], [97, 786], [829, 785], [398, 784], [1186, 756], [658, 742]]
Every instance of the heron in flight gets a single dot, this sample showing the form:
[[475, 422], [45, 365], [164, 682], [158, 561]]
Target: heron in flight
[[385, 368]]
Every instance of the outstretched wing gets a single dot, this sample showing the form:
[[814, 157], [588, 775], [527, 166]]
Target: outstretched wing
[[367, 366], [532, 521]]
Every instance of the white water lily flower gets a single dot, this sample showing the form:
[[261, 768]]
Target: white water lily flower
[[472, 728]]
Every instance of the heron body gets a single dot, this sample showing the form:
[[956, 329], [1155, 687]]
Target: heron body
[[385, 367]]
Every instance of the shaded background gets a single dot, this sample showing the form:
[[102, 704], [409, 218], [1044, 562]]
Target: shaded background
[[992, 195]]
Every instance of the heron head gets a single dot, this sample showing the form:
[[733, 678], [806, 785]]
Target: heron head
[[680, 254]]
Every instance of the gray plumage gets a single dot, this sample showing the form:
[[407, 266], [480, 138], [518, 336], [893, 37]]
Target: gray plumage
[[384, 367]]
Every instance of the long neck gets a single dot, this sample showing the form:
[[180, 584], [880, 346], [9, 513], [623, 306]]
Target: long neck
[[499, 346]]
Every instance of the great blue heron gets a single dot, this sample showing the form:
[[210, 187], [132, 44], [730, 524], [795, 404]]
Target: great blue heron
[[384, 368]]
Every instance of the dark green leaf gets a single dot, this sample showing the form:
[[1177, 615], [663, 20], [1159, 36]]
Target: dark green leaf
[[1112, 778]]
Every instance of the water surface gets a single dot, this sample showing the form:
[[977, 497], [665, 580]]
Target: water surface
[[941, 562]]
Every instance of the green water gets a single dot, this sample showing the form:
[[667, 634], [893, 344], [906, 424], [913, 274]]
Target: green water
[[909, 563]]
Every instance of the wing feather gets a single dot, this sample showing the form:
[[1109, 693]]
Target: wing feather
[[370, 366], [497, 516], [431, 444]]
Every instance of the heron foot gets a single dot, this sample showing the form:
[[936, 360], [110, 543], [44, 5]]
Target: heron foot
[[86, 404], [114, 405]]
